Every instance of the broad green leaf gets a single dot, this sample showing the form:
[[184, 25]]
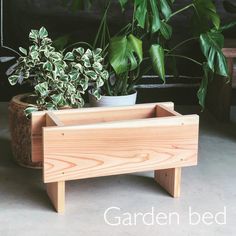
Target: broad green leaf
[[141, 12], [125, 53], [165, 8], [166, 30], [148, 13], [202, 92], [122, 4], [157, 56], [155, 17], [43, 33], [24, 51], [205, 12], [211, 46]]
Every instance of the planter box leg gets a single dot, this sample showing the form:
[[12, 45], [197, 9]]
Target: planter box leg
[[170, 180], [56, 192]]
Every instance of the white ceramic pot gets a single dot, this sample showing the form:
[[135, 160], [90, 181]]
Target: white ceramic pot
[[113, 101]]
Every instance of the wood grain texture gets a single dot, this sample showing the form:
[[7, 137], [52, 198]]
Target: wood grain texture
[[56, 193], [52, 120], [170, 180], [120, 147], [88, 116]]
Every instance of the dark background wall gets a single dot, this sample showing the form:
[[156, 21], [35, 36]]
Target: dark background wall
[[22, 15]]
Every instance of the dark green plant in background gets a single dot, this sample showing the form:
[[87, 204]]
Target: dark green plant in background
[[124, 52], [59, 78]]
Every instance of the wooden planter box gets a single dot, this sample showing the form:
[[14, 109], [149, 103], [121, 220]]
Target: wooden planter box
[[91, 142]]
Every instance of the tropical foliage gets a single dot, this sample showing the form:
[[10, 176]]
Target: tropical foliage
[[59, 78], [124, 52]]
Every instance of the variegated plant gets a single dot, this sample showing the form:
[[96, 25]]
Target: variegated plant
[[59, 80]]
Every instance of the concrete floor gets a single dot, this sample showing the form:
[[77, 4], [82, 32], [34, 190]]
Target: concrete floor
[[209, 187]]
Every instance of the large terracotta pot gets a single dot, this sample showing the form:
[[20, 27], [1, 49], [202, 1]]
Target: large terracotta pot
[[20, 129]]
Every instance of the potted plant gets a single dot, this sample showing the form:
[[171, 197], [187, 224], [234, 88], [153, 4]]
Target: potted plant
[[59, 79], [151, 22]]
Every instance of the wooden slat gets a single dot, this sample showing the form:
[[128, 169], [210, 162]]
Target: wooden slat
[[53, 120], [56, 192], [163, 111], [122, 147], [88, 116], [169, 179]]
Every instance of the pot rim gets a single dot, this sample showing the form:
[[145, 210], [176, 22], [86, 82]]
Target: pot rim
[[123, 96], [18, 99]]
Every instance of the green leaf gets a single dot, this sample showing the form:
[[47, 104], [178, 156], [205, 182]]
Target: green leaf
[[13, 79], [148, 13], [42, 88], [166, 30], [202, 92], [91, 74], [211, 45], [33, 35], [141, 12], [122, 4], [125, 53], [29, 110], [50, 106], [165, 8], [69, 56], [155, 17], [34, 55], [157, 56], [105, 75], [47, 66], [57, 99], [205, 12], [24, 51], [43, 33]]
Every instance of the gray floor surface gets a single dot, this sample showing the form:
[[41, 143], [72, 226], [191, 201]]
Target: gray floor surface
[[209, 187]]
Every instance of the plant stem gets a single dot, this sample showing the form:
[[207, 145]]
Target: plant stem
[[103, 21], [133, 18], [179, 11], [185, 57], [77, 43], [182, 43]]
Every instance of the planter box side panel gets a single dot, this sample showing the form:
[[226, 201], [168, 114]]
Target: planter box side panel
[[110, 148]]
